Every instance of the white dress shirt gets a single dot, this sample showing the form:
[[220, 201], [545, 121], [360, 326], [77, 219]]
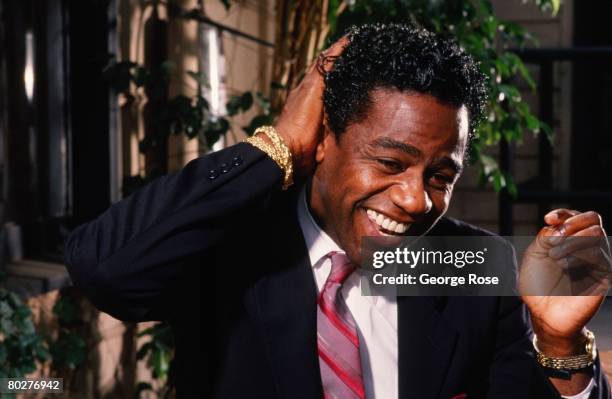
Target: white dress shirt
[[375, 316]]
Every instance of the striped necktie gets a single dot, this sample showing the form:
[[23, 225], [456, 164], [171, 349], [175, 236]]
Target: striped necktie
[[337, 340]]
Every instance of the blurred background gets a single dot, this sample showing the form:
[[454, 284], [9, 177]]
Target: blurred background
[[98, 97]]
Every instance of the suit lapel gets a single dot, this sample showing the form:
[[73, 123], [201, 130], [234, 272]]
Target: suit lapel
[[425, 346], [284, 305]]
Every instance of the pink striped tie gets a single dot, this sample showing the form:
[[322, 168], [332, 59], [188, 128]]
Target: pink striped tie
[[337, 339]]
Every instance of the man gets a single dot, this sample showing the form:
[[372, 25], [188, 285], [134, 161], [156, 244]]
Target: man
[[258, 282]]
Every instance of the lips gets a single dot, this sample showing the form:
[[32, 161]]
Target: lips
[[386, 223]]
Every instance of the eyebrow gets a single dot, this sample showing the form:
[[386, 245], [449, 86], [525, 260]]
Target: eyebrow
[[451, 163], [387, 142]]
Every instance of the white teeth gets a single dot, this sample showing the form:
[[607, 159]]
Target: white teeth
[[379, 219], [392, 225], [386, 223]]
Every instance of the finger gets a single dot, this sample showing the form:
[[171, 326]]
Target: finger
[[548, 237], [588, 272], [591, 260], [337, 47], [325, 60], [569, 247], [584, 284], [596, 231], [580, 222], [313, 78], [593, 236], [558, 216]]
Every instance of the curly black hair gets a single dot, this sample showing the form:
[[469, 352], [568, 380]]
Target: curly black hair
[[406, 58]]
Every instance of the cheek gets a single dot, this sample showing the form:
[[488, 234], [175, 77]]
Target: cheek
[[441, 200], [359, 183]]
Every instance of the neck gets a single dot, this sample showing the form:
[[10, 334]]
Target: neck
[[316, 207]]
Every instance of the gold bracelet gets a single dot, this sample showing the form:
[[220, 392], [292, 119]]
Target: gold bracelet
[[285, 153], [278, 151], [569, 363]]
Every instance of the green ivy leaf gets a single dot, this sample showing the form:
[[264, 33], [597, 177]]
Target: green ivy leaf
[[214, 129], [119, 75], [498, 180], [160, 363], [259, 120], [141, 76], [6, 326], [551, 6], [532, 123], [199, 78], [263, 102], [547, 131], [14, 300], [142, 387], [167, 67], [489, 165], [510, 92], [510, 185], [5, 309], [65, 310], [239, 103], [68, 351], [41, 352], [524, 72], [145, 332], [246, 101], [202, 103], [144, 350], [277, 86]]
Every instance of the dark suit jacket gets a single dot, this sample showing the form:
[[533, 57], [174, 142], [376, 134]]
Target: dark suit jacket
[[217, 251]]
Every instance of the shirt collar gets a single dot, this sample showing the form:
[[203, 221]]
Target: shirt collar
[[318, 242]]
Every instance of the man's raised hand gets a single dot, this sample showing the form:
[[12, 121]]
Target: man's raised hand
[[301, 121]]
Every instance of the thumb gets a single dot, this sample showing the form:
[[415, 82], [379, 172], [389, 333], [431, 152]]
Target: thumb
[[549, 236]]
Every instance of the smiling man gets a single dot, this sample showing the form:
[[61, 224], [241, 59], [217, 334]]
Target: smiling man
[[260, 283]]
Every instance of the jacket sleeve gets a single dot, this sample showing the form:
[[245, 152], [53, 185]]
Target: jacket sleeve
[[128, 259]]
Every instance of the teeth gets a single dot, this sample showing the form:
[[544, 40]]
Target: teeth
[[380, 219], [392, 226], [386, 223]]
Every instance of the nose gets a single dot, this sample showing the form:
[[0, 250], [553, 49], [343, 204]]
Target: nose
[[410, 195]]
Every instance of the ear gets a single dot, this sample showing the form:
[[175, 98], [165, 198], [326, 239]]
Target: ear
[[323, 146]]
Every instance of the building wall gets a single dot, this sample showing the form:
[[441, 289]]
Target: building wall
[[247, 67], [248, 64]]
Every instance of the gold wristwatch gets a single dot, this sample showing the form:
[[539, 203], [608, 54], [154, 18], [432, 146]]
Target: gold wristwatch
[[571, 363]]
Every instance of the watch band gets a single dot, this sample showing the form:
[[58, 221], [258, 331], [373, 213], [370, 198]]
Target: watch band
[[571, 363]]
